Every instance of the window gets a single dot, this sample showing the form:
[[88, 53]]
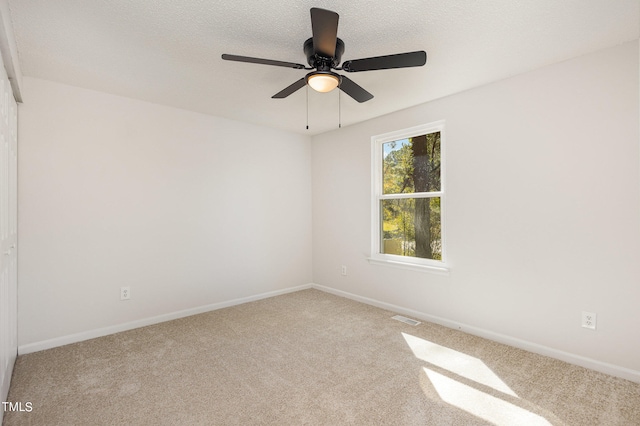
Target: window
[[408, 194]]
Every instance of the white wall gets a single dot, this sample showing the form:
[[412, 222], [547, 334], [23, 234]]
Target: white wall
[[186, 209], [543, 210]]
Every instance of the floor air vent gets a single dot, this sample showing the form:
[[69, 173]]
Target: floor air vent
[[405, 320]]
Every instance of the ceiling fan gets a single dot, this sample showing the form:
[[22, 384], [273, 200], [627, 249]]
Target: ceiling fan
[[324, 52]]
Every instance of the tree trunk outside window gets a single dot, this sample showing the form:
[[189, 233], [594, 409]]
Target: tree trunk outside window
[[426, 178]]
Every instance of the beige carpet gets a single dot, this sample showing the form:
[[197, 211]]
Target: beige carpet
[[309, 358]]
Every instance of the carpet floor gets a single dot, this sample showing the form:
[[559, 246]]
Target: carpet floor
[[309, 358]]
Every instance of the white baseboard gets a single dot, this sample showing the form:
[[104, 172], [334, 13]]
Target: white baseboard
[[603, 367], [92, 334]]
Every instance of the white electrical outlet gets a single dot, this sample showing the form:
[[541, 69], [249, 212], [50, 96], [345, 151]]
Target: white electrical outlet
[[589, 320], [344, 270], [125, 293]]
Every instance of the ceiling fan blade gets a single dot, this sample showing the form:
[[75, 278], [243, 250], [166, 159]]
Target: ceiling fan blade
[[400, 60], [324, 25], [290, 89], [261, 61], [352, 89]]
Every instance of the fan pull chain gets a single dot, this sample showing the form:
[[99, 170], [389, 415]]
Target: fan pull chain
[[339, 108], [307, 87], [339, 103]]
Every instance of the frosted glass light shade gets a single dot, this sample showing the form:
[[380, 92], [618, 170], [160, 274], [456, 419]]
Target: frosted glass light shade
[[323, 82]]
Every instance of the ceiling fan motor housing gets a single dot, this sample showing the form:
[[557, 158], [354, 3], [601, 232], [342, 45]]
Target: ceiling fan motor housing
[[320, 62]]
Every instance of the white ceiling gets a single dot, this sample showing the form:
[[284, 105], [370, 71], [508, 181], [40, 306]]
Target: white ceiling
[[168, 51]]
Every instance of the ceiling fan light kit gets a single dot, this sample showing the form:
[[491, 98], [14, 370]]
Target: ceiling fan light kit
[[323, 81], [324, 53]]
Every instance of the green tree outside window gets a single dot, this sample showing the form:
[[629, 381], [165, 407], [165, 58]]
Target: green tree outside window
[[411, 226]]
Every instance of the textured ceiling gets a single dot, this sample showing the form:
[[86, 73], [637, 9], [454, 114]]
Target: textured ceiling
[[168, 51]]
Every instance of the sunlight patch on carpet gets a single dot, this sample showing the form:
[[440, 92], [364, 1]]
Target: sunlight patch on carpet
[[472, 399], [481, 404], [457, 362]]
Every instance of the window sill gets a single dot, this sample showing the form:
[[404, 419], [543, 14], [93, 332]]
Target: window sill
[[440, 270]]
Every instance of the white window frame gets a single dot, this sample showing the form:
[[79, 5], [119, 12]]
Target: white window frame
[[377, 195]]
